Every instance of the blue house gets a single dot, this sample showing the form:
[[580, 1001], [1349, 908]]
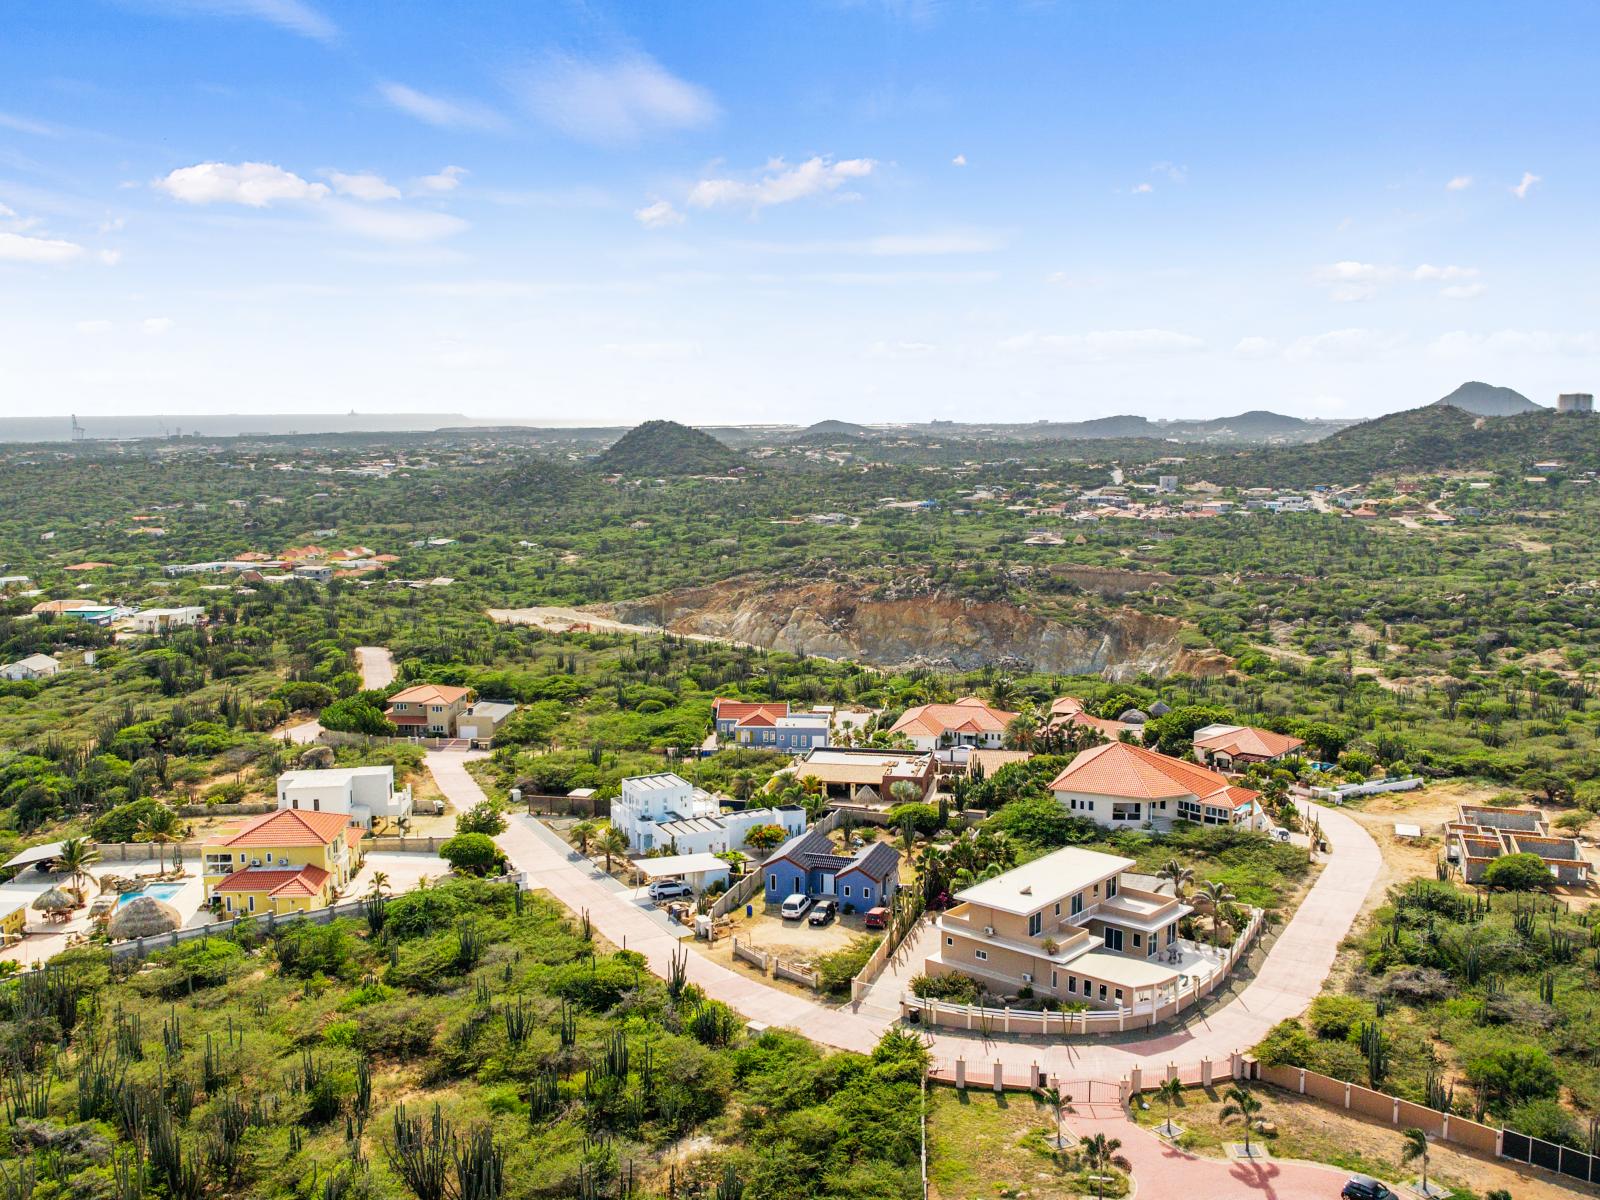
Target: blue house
[[810, 865], [768, 724]]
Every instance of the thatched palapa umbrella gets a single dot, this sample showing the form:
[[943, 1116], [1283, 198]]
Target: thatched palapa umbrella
[[144, 916], [56, 902]]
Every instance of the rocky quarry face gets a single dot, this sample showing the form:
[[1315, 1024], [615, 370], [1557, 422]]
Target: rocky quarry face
[[835, 620]]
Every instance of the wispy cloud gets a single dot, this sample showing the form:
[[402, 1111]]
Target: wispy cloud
[[27, 125], [1539, 343], [292, 15], [264, 185], [17, 248], [1459, 183], [660, 215], [1350, 280], [440, 111], [1103, 345], [1342, 345], [780, 183], [363, 186], [1521, 190], [619, 102], [447, 179], [959, 160]]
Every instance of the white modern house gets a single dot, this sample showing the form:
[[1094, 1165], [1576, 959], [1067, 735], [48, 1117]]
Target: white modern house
[[362, 793], [35, 666], [664, 811]]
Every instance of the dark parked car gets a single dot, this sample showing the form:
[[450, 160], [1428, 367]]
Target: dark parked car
[[823, 912], [1365, 1187]]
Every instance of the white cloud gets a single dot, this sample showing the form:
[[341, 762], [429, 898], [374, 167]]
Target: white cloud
[[1106, 344], [659, 215], [156, 326], [363, 186], [1464, 291], [781, 183], [393, 224], [256, 185], [1521, 190], [1518, 342], [1140, 189], [1255, 347], [1459, 183], [447, 180], [94, 326], [1350, 280], [26, 125], [293, 15], [614, 103], [112, 224], [110, 257], [1429, 273], [1172, 171], [14, 247], [1342, 345], [436, 110], [959, 160]]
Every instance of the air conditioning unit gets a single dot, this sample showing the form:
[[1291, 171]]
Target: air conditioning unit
[[988, 931], [255, 862], [1026, 977]]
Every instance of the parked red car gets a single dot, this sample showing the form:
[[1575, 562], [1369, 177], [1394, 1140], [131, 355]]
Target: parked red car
[[876, 918]]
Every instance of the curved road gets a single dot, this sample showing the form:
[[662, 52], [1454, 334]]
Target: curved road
[[376, 665]]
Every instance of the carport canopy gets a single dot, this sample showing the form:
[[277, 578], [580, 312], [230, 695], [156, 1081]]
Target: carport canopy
[[36, 854], [675, 866]]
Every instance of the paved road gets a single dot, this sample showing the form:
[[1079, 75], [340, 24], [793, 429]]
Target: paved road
[[376, 665]]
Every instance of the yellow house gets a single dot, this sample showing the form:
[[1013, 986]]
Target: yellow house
[[286, 861], [13, 914]]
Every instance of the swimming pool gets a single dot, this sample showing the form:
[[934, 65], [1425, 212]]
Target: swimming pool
[[161, 891]]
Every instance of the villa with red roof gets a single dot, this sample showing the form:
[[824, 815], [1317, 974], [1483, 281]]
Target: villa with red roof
[[1120, 785], [287, 861], [768, 725], [428, 709], [1230, 746], [967, 722]]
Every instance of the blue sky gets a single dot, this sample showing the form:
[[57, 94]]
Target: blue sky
[[736, 212]]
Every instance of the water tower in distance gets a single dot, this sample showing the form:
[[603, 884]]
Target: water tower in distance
[[1575, 402]]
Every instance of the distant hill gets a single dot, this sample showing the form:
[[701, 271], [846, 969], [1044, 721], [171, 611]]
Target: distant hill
[[667, 448], [1432, 438], [1486, 400], [845, 427], [1254, 426]]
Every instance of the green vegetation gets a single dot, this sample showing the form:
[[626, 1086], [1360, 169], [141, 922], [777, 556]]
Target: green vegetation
[[459, 1022]]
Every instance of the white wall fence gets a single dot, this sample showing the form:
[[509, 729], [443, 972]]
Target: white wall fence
[[1349, 791], [763, 960], [1036, 1023], [266, 922], [140, 852]]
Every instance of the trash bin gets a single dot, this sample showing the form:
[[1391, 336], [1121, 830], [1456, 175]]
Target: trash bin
[[914, 1016], [749, 910]]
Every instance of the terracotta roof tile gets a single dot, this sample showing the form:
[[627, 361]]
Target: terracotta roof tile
[[967, 715], [1245, 739], [1129, 771], [288, 827], [305, 881], [429, 693]]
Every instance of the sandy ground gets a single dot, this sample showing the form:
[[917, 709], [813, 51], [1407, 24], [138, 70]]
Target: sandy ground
[[405, 871]]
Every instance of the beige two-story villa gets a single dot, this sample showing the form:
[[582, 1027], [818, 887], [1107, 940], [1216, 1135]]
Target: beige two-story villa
[[1071, 927]]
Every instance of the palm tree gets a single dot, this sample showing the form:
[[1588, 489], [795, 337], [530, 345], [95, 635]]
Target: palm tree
[[161, 825], [1171, 1091], [75, 857], [1242, 1106], [380, 881], [1216, 895], [1099, 1155], [1059, 1104], [582, 833], [1180, 875], [613, 844], [1003, 693], [1416, 1147]]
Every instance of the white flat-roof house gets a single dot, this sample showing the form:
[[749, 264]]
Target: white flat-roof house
[[160, 620], [362, 793], [664, 811], [1067, 925]]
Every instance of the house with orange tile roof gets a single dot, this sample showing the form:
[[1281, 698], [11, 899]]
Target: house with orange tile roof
[[1233, 746], [428, 709], [967, 722], [1120, 785], [287, 861]]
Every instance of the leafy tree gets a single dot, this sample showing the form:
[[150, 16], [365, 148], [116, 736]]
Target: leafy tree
[[1170, 1090], [75, 858], [483, 817], [1243, 1107], [1518, 873], [1179, 875], [1100, 1155], [475, 853], [583, 833], [1414, 1147], [161, 826], [766, 838], [1216, 895], [613, 844]]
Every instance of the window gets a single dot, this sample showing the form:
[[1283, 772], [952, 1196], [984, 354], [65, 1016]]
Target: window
[[1113, 938], [949, 941], [1035, 924], [1111, 887], [229, 903], [1119, 996], [982, 955], [1058, 908], [866, 893], [772, 883], [252, 900], [1172, 934], [316, 805], [1137, 941], [269, 855], [1077, 903], [1126, 811], [847, 891], [1072, 984], [1102, 991], [1052, 980]]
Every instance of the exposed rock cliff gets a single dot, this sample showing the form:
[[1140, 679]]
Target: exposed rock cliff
[[834, 620]]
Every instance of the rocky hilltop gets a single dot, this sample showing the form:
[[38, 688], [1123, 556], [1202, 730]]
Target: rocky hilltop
[[835, 620]]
